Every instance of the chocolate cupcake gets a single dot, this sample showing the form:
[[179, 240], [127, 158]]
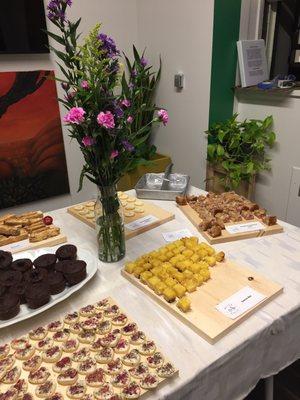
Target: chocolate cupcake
[[3, 290], [22, 265], [19, 290], [74, 271], [5, 259], [35, 275], [11, 278], [66, 252], [56, 282], [9, 306], [46, 261], [37, 295]]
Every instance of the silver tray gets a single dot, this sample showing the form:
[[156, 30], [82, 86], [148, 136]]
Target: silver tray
[[144, 191]]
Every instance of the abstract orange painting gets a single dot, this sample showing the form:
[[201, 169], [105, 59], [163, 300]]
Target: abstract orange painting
[[32, 155]]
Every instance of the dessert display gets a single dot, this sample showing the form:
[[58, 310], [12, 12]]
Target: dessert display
[[31, 225], [175, 270], [133, 209], [23, 281], [50, 362], [215, 211]]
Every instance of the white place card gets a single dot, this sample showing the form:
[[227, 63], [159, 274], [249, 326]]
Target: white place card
[[17, 246], [240, 302], [176, 235], [245, 227], [141, 222]]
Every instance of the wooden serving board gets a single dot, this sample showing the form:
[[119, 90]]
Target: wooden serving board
[[227, 278], [162, 216], [195, 219], [24, 245]]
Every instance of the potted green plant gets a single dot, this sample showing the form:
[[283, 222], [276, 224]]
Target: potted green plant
[[141, 88], [237, 152]]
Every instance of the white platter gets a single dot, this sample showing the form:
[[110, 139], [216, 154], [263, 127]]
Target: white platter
[[25, 312]]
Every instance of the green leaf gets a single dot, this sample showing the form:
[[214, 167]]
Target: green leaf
[[210, 151], [57, 38], [220, 150], [250, 167], [271, 138], [136, 55], [125, 86]]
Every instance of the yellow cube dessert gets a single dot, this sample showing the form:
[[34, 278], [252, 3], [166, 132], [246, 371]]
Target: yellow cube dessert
[[156, 263], [220, 256], [176, 251], [211, 261], [129, 267], [199, 278], [159, 288], [145, 276], [205, 274], [169, 295], [195, 268], [137, 271], [162, 257], [203, 264], [154, 280], [184, 304], [169, 254], [147, 266], [195, 257], [187, 274], [156, 270], [190, 285], [170, 282], [178, 276], [182, 248], [179, 289]]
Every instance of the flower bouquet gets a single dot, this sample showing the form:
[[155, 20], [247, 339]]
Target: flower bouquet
[[102, 109]]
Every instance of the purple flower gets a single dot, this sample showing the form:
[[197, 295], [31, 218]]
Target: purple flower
[[127, 146], [163, 116], [106, 119], [75, 116], [65, 86], [144, 62], [85, 85], [118, 112], [109, 45], [68, 2], [88, 141], [134, 73], [114, 154], [126, 103], [130, 119], [131, 85]]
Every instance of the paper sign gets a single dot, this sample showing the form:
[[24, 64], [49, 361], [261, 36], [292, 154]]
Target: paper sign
[[17, 246], [245, 227], [176, 235], [240, 302], [141, 222]]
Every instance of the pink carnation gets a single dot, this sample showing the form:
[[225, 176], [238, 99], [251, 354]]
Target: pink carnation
[[130, 119], [114, 154], [106, 119], [85, 85], [163, 116], [75, 116], [126, 103], [88, 141]]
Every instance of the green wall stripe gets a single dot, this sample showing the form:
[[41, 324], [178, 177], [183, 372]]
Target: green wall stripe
[[224, 58]]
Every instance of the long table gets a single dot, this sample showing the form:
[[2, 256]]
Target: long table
[[261, 346]]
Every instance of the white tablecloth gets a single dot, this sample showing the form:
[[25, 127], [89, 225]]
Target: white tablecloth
[[261, 346]]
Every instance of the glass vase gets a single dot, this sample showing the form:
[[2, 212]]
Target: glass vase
[[109, 225]]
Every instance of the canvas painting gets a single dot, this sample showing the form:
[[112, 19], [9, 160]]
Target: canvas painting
[[32, 155]]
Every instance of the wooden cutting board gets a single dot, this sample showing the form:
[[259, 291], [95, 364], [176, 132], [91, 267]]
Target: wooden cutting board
[[195, 219], [24, 245], [227, 278], [162, 216]]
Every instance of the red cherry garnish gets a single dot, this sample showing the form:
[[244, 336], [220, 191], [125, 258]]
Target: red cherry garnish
[[48, 220]]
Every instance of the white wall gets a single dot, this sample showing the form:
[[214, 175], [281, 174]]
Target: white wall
[[272, 189], [119, 20], [182, 34]]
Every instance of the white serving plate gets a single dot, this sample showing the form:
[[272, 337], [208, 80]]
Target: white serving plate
[[25, 312]]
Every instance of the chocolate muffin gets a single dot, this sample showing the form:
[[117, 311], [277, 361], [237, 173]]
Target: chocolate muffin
[[37, 295], [3, 290], [46, 261], [56, 282], [11, 278], [19, 290], [9, 306], [74, 271], [5, 259], [35, 275], [66, 252], [22, 265]]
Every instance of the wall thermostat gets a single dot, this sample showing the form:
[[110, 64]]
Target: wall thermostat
[[179, 81]]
